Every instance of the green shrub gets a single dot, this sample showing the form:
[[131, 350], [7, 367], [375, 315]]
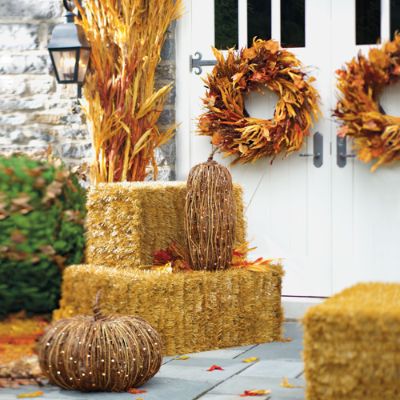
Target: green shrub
[[42, 210]]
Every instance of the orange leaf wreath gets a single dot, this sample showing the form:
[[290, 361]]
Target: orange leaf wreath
[[263, 66], [376, 135]]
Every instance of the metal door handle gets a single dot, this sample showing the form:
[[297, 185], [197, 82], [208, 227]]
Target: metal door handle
[[341, 152], [318, 150]]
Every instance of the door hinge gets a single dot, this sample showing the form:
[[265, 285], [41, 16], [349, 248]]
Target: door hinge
[[196, 62]]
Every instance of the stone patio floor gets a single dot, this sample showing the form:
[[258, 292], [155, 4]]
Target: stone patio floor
[[189, 379]]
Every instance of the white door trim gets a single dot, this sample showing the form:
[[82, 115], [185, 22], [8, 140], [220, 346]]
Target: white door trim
[[182, 102]]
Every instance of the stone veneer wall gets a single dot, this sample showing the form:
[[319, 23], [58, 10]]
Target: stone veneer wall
[[34, 110]]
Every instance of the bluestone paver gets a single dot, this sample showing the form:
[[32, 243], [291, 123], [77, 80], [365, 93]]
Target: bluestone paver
[[195, 369], [238, 384], [293, 330], [231, 352], [275, 369], [216, 396], [277, 351]]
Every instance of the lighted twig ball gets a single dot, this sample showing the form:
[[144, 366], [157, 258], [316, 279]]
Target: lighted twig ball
[[99, 353], [210, 216]]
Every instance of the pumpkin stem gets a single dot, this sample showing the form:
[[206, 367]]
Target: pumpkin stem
[[96, 307], [211, 157]]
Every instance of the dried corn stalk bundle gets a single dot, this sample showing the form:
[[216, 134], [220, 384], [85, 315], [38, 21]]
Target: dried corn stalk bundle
[[192, 311], [128, 222], [210, 216], [351, 345], [122, 105]]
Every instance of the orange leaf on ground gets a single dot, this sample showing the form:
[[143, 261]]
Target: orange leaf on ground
[[250, 393], [285, 384], [18, 336], [136, 391], [183, 358], [250, 359], [31, 395], [215, 368]]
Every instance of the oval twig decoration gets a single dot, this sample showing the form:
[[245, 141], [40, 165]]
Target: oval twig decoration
[[210, 216]]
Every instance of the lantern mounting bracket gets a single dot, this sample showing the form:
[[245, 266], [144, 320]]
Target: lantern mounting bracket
[[69, 5]]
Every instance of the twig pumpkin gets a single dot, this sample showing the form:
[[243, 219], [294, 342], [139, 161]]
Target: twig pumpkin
[[376, 135], [210, 216], [263, 66], [100, 353]]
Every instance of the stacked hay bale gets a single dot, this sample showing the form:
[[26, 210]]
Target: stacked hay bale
[[128, 222], [193, 311], [352, 346]]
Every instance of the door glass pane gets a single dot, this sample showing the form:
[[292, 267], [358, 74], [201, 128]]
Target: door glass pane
[[258, 20], [226, 24], [293, 23], [368, 21], [394, 17]]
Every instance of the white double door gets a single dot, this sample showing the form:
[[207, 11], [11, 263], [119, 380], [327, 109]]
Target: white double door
[[331, 226]]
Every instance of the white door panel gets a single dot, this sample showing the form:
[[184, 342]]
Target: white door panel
[[366, 206]]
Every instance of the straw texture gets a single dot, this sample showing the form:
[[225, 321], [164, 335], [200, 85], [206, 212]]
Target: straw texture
[[100, 353], [210, 216], [195, 311], [352, 347], [128, 222]]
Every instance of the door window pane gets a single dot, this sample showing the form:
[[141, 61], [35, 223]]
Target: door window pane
[[293, 23], [226, 24], [394, 17], [368, 21], [258, 20]]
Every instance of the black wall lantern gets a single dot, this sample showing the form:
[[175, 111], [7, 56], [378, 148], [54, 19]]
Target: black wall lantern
[[69, 50]]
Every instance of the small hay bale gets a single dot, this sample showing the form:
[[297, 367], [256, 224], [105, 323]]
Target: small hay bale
[[192, 311], [352, 346], [128, 222], [210, 216], [100, 353]]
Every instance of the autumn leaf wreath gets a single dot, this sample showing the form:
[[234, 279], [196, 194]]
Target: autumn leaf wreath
[[263, 66], [376, 135]]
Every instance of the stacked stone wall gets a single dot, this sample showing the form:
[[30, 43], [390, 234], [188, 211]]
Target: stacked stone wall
[[35, 111]]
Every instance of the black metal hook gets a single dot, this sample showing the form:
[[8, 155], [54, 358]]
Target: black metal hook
[[69, 5]]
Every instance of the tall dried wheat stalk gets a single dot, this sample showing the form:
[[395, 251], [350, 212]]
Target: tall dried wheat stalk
[[121, 104]]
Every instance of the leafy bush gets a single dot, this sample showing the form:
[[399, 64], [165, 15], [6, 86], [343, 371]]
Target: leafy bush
[[42, 210]]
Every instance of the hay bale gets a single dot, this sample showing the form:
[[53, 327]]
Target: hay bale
[[197, 311], [128, 222], [352, 346]]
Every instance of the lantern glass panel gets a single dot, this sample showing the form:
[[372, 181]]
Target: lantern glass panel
[[65, 64], [83, 64]]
